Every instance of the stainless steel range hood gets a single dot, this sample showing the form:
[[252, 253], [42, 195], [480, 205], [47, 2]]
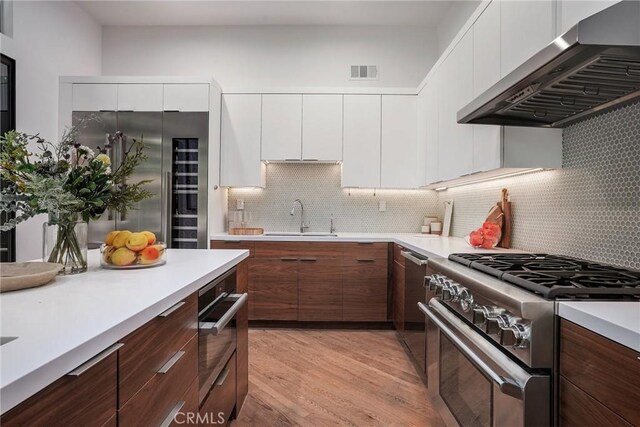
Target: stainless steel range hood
[[590, 68]]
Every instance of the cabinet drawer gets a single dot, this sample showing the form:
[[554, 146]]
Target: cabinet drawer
[[365, 269], [234, 244], [186, 410], [160, 395], [607, 371], [366, 251], [397, 254], [298, 250], [577, 409], [217, 406], [150, 346], [88, 399]]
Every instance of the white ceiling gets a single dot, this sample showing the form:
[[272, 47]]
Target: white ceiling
[[265, 12]]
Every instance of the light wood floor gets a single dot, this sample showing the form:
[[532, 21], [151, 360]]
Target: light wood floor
[[332, 378]]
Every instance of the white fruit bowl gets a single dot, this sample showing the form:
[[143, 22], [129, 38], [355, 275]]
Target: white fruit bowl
[[126, 259]]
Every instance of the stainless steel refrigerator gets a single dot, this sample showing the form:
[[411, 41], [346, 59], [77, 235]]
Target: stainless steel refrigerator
[[177, 150]]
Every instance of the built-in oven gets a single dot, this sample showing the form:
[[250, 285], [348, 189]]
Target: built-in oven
[[218, 304], [472, 382]]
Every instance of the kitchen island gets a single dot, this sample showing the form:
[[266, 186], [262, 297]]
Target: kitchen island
[[62, 325]]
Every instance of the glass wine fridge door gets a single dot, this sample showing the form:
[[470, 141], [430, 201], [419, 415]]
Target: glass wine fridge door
[[185, 143]]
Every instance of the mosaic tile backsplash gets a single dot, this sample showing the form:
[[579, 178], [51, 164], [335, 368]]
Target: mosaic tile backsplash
[[588, 209], [318, 186]]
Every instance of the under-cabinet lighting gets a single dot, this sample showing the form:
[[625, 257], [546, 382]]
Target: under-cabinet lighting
[[491, 178]]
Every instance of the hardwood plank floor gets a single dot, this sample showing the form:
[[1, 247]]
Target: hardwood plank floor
[[332, 378]]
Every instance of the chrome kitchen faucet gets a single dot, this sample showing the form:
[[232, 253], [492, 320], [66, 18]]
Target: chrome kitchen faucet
[[303, 226]]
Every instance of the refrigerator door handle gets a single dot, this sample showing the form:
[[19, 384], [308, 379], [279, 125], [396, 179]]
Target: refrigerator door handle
[[168, 216]]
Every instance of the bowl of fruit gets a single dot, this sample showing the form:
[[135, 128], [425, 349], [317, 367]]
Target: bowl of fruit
[[123, 250], [486, 237]]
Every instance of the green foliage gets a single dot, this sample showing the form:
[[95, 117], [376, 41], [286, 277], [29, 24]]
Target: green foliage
[[66, 179]]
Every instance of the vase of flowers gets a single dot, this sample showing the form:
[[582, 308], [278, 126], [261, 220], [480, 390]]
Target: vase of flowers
[[69, 182]]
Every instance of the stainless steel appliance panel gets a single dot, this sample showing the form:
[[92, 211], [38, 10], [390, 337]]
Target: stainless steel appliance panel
[[93, 134], [185, 178], [414, 333], [148, 127]]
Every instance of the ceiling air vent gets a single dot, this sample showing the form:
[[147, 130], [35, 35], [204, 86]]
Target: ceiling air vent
[[364, 72]]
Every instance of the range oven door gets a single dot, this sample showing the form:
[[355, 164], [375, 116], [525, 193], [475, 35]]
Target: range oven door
[[218, 306], [473, 383]]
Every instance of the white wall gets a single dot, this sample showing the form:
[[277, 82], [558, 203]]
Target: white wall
[[243, 56], [50, 38], [453, 20]]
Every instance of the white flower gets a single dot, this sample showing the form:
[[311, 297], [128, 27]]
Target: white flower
[[108, 170], [89, 152]]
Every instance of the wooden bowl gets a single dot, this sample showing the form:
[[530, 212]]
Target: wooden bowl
[[22, 275]]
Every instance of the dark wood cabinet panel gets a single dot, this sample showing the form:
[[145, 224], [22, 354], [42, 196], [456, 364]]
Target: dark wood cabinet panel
[[234, 244], [320, 289], [397, 296], [397, 254], [189, 411], [578, 409], [154, 401], [146, 349], [218, 405], [242, 345], [298, 250], [366, 251], [365, 300], [607, 371], [89, 399], [273, 289]]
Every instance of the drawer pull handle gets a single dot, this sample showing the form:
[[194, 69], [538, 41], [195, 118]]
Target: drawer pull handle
[[366, 260], [170, 310], [288, 259], [233, 241], [95, 360], [215, 328], [222, 378], [308, 259], [365, 243], [175, 411], [174, 359]]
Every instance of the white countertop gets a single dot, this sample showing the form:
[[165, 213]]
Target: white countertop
[[61, 325], [428, 245], [617, 320]]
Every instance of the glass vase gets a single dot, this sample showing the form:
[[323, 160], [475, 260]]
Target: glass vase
[[65, 242]]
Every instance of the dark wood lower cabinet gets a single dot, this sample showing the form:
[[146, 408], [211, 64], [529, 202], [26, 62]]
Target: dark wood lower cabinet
[[88, 399], [273, 289], [242, 337], [320, 289], [217, 406], [601, 374], [397, 296], [365, 289]]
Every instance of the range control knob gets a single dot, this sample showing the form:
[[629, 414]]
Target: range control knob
[[478, 315], [517, 335], [491, 313], [466, 300]]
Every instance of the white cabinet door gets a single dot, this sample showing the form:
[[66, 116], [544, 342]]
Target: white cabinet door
[[322, 127], [487, 139], [140, 97], [432, 108], [281, 127], [94, 97], [186, 97], [361, 151], [402, 161], [240, 164], [455, 141], [526, 28], [572, 11]]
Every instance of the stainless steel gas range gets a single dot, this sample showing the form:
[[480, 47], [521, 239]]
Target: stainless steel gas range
[[492, 335]]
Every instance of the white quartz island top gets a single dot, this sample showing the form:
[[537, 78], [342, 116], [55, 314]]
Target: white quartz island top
[[63, 324], [429, 245], [617, 320]]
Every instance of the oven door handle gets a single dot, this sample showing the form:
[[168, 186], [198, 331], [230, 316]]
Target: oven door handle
[[414, 259], [506, 385], [215, 328]]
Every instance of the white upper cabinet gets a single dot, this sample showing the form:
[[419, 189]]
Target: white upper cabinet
[[240, 164], [430, 116], [526, 28], [186, 97], [282, 127], [361, 151], [402, 163], [140, 97], [94, 97], [321, 127], [486, 49], [572, 11], [487, 140], [455, 141]]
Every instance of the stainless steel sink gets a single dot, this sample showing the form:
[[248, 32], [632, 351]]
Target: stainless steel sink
[[295, 234], [4, 340]]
